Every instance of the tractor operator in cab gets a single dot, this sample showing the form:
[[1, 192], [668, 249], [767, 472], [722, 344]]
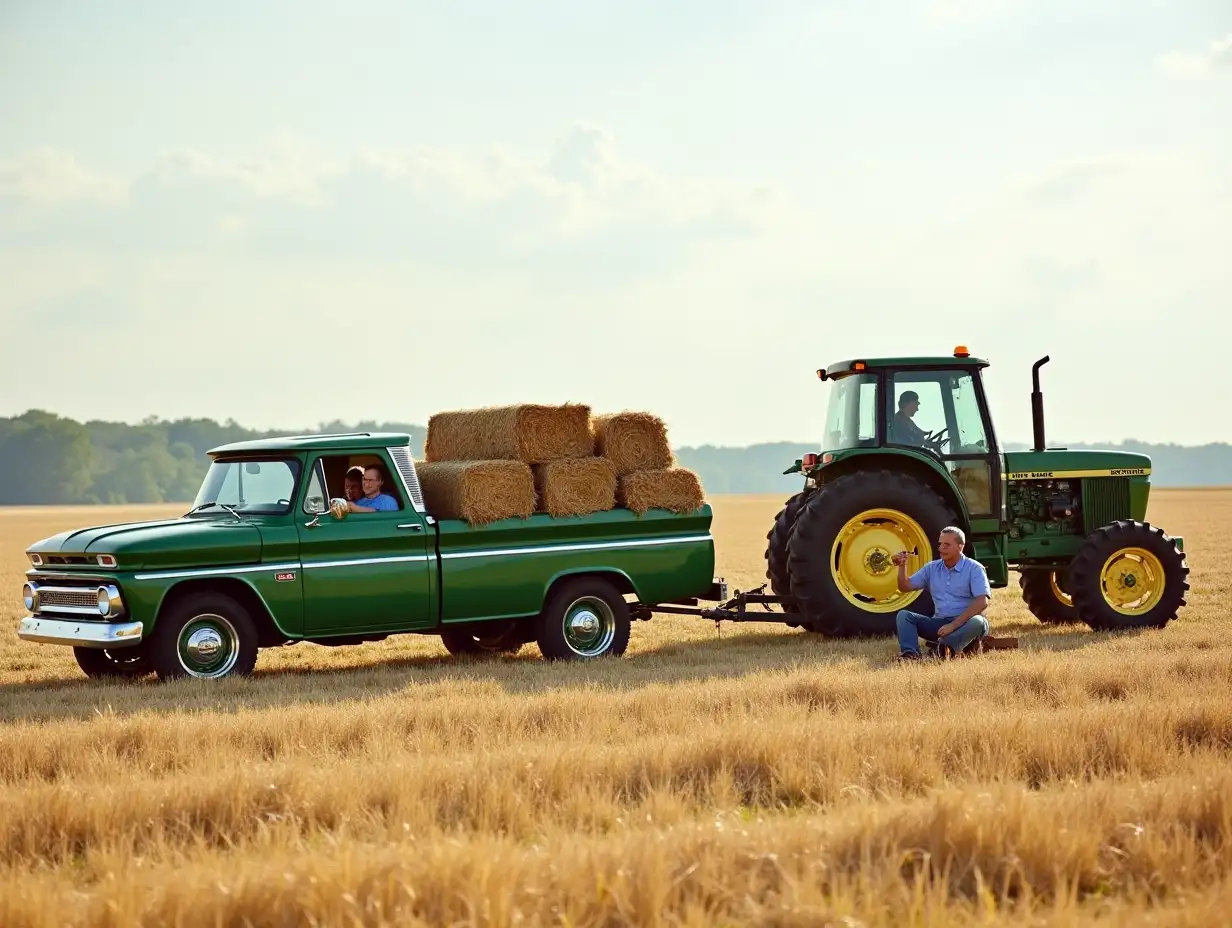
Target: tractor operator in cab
[[960, 592], [902, 430]]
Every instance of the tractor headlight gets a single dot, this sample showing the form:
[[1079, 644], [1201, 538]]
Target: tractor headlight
[[30, 597]]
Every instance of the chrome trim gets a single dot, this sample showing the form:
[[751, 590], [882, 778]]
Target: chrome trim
[[401, 456], [413, 526], [80, 634], [115, 604], [359, 561], [582, 546], [214, 571]]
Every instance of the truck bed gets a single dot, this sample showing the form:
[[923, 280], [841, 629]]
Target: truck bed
[[503, 570]]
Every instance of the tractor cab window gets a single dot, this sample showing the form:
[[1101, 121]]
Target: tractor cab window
[[939, 412], [851, 418]]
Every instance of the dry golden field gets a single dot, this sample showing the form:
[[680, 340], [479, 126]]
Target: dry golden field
[[761, 776]]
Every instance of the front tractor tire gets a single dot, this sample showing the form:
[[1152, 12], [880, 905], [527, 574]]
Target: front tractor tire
[[1128, 575], [204, 635], [776, 552], [1046, 594], [839, 555]]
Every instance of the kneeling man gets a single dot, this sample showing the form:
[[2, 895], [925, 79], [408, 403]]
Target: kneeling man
[[960, 592]]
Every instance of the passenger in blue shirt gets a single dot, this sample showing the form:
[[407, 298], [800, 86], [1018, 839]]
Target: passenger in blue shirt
[[960, 592], [373, 499]]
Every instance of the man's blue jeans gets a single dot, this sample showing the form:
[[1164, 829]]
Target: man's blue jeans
[[912, 627]]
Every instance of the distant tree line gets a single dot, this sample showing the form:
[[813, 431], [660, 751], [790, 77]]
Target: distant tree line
[[47, 459]]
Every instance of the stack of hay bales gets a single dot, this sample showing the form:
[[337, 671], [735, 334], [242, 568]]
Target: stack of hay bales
[[483, 465], [647, 478]]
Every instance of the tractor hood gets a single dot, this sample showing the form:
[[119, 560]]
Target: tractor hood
[[1063, 465], [173, 543]]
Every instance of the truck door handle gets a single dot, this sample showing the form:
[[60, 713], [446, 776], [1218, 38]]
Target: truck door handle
[[413, 526]]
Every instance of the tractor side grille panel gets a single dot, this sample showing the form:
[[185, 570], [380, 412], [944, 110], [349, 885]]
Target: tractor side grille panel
[[1104, 500]]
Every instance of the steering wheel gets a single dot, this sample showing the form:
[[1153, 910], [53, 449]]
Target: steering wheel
[[935, 443]]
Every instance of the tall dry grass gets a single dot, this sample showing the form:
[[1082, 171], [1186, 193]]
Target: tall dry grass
[[760, 776]]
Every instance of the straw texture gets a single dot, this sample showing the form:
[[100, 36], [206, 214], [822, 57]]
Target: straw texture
[[528, 433], [675, 489], [576, 487], [633, 441], [478, 492]]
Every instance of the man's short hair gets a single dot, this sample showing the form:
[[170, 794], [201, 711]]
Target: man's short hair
[[956, 532], [355, 471], [909, 396]]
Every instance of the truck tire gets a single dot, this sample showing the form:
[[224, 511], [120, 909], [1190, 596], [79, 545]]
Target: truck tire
[[1128, 575], [204, 635], [1045, 593], [584, 619], [839, 554], [502, 638], [122, 663], [776, 552]]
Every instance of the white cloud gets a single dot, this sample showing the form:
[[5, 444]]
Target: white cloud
[[47, 176], [1218, 55]]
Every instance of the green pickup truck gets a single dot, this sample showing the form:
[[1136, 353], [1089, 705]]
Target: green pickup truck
[[269, 554]]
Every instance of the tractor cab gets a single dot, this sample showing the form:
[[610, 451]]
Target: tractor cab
[[932, 409]]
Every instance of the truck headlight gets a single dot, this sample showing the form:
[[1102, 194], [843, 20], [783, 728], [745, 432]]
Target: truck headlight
[[109, 602], [30, 597]]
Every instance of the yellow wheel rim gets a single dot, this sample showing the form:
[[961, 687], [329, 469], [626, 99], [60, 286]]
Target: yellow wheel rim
[[1062, 597], [860, 558], [1132, 581]]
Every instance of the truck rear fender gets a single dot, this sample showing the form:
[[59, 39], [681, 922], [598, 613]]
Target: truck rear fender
[[268, 632], [929, 472], [618, 579]]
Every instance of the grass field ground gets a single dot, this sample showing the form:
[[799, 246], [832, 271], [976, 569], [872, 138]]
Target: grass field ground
[[757, 776]]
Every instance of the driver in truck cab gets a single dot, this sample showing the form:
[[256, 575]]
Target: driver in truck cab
[[902, 430], [960, 592], [373, 500]]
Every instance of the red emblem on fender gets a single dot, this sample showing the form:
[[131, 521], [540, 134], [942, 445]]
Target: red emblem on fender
[[288, 575]]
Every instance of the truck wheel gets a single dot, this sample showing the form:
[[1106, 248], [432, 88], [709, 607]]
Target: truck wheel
[[776, 551], [204, 635], [122, 663], [1128, 575], [503, 638], [839, 553], [1044, 592], [584, 619]]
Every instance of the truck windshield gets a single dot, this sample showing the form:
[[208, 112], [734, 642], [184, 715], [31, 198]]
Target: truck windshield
[[851, 419], [255, 487]]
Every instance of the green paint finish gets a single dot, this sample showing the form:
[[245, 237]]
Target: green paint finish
[[506, 569], [380, 573], [1039, 465], [173, 543], [897, 459]]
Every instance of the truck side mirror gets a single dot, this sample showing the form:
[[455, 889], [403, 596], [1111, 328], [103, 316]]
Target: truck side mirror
[[316, 505]]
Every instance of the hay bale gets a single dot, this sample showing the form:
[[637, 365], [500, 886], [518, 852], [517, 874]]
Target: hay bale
[[633, 441], [675, 489], [528, 433], [477, 492], [576, 486]]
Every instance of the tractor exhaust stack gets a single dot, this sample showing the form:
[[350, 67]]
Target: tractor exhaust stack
[[1037, 404]]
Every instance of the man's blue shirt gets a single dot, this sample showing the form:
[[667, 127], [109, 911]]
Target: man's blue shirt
[[952, 588], [382, 502]]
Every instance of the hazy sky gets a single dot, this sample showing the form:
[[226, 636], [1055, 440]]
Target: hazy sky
[[308, 212]]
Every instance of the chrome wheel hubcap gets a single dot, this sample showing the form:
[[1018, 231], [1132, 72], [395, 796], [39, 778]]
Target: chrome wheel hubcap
[[209, 647], [589, 627]]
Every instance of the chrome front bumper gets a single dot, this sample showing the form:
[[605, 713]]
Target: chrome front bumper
[[46, 630]]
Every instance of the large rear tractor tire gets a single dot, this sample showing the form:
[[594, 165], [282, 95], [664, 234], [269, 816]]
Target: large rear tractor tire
[[1046, 594], [776, 552], [839, 555], [1128, 575]]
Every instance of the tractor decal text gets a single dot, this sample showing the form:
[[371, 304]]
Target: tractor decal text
[[1072, 474]]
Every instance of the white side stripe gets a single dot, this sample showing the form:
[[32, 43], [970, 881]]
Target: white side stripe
[[356, 562], [418, 558], [582, 546], [214, 572]]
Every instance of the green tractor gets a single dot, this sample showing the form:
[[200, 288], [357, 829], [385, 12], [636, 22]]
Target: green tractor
[[909, 448]]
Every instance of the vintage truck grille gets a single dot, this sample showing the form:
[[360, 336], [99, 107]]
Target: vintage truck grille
[[62, 559], [1104, 500], [60, 596]]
